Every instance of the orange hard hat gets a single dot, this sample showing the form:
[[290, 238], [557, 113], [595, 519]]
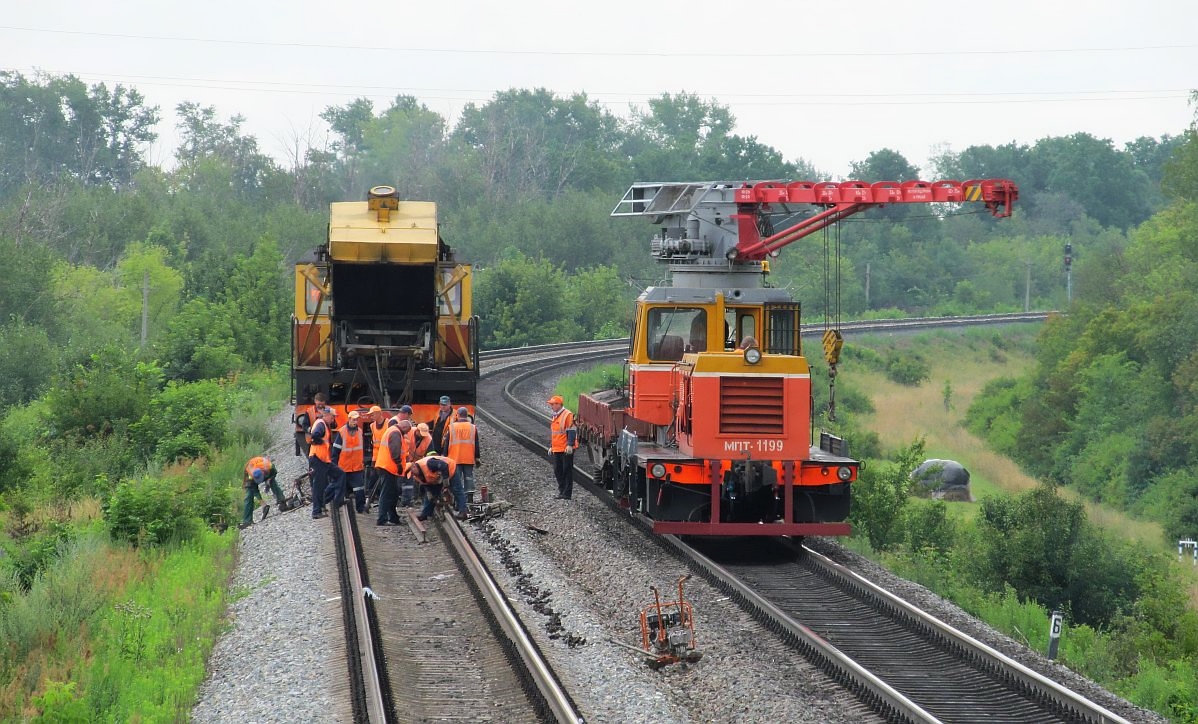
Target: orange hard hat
[[557, 399]]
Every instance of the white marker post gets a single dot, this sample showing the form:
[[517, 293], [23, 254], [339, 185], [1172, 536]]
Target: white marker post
[[1054, 634]]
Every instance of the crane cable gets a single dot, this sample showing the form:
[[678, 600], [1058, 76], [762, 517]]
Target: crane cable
[[833, 341]]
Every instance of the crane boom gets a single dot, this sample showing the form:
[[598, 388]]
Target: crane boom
[[850, 197], [717, 223]]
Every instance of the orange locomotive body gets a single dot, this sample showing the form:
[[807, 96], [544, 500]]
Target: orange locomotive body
[[714, 432]]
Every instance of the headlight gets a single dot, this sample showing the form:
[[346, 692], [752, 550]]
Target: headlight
[[752, 355], [845, 473], [658, 470]]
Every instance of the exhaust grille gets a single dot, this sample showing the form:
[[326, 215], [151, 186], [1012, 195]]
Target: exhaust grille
[[751, 405]]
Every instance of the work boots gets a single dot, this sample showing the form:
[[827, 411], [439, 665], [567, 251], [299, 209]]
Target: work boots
[[265, 510]]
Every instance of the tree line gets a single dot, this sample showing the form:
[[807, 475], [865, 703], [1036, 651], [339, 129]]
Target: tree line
[[115, 262]]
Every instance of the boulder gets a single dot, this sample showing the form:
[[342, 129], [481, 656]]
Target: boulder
[[943, 479]]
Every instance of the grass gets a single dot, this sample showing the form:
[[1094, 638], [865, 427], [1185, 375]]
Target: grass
[[110, 632], [601, 377], [966, 362]]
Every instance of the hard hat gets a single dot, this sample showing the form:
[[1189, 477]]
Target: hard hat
[[557, 399], [258, 475], [423, 428], [463, 412], [354, 415], [444, 399], [406, 408], [375, 409]]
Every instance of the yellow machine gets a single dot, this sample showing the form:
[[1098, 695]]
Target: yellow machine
[[382, 310]]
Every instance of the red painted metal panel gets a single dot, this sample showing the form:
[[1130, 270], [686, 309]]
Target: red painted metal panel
[[752, 529]]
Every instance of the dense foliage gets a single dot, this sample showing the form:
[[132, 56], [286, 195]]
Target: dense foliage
[[1113, 404]]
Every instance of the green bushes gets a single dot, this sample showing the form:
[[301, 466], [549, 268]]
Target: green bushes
[[185, 421], [903, 366], [995, 413], [27, 558], [147, 620], [157, 510], [880, 495], [907, 369]]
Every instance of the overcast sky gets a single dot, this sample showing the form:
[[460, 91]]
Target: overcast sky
[[827, 82]]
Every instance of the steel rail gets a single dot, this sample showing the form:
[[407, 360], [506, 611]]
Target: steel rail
[[890, 702], [975, 650], [553, 699], [368, 694]]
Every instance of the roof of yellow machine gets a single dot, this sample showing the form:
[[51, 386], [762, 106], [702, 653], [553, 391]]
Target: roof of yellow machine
[[406, 234]]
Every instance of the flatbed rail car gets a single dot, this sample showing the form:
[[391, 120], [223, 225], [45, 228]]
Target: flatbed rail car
[[383, 312]]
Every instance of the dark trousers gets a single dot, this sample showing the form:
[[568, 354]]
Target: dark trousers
[[320, 479], [356, 483], [432, 493], [563, 470], [388, 498]]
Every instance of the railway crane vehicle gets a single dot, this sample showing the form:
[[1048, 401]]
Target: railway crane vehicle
[[713, 432], [383, 312]]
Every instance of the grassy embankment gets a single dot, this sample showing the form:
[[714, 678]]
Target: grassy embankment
[[961, 363], [966, 361], [110, 631]]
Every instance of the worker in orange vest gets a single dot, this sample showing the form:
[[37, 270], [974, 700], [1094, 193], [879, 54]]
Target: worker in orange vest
[[320, 457], [378, 426], [563, 436], [461, 444], [305, 417], [260, 470], [390, 462], [348, 457], [422, 442], [430, 473]]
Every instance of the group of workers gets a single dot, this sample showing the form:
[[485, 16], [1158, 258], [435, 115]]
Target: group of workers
[[404, 457]]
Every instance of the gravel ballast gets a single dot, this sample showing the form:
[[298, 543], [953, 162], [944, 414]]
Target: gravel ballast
[[578, 577]]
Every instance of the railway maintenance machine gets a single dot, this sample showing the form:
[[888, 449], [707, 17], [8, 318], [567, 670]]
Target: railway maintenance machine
[[713, 432]]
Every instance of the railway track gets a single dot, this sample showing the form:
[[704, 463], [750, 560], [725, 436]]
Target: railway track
[[430, 636], [903, 663]]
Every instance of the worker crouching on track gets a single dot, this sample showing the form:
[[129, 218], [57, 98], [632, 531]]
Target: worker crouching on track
[[257, 471], [431, 473]]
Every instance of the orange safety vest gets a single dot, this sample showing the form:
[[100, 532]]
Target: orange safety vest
[[322, 450], [350, 459], [409, 444], [259, 463], [377, 433], [462, 435], [384, 459], [562, 422], [431, 478], [421, 447], [312, 417]]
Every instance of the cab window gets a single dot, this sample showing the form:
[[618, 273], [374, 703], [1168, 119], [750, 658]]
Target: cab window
[[739, 322], [673, 331], [313, 296]]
